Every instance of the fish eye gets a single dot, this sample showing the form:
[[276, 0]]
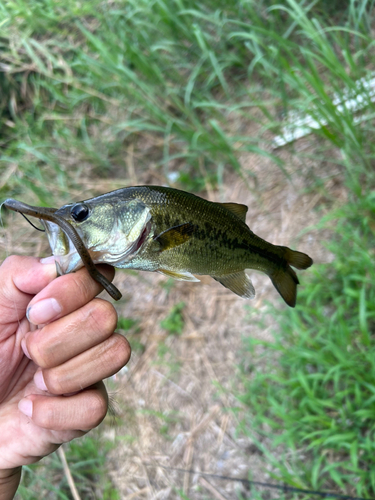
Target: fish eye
[[79, 212]]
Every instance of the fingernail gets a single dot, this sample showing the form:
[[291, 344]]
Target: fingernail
[[48, 260], [43, 311], [39, 381], [26, 406], [24, 348]]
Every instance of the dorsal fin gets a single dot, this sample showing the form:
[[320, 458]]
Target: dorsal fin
[[236, 209], [175, 236]]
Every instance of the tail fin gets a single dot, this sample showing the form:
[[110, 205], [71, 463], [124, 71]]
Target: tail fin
[[296, 259], [285, 280]]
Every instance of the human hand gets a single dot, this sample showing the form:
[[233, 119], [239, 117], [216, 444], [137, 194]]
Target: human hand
[[51, 388]]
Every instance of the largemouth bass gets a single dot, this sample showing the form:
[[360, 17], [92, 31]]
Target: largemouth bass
[[178, 234]]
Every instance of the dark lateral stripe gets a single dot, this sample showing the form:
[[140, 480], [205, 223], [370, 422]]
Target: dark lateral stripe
[[239, 244]]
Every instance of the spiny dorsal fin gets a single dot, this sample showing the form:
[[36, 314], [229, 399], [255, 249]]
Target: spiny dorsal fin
[[239, 283], [237, 209], [178, 275], [175, 236]]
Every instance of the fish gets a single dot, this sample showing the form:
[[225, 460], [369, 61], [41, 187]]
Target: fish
[[169, 231]]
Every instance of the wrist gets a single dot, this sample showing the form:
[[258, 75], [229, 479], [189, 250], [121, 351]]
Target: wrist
[[9, 481]]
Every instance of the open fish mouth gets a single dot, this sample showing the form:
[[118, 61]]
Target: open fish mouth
[[68, 259], [66, 256]]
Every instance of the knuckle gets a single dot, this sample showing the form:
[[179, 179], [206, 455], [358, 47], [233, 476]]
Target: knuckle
[[35, 343], [97, 408], [118, 352], [104, 315], [13, 261], [85, 285], [47, 417], [53, 381], [76, 285]]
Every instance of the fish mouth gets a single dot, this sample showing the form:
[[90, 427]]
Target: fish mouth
[[67, 258]]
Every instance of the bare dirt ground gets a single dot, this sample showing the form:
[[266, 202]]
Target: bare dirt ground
[[174, 397], [176, 394]]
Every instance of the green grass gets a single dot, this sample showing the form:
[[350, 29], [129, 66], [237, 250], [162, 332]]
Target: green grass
[[319, 401], [174, 322], [88, 88], [155, 69], [163, 421], [85, 84], [316, 406], [87, 460]]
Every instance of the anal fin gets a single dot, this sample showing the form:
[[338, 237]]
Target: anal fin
[[239, 283], [180, 275]]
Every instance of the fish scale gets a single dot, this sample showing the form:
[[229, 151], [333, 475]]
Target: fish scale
[[178, 234]]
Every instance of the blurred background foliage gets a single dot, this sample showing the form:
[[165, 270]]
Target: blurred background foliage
[[166, 91]]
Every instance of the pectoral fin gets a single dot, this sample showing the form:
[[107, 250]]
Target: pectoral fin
[[239, 283], [175, 236], [180, 276]]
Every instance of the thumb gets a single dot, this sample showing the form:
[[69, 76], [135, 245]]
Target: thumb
[[20, 279]]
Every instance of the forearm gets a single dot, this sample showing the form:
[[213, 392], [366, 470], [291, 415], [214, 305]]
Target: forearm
[[9, 481]]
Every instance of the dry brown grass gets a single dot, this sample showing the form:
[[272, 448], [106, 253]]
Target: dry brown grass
[[175, 395], [199, 390]]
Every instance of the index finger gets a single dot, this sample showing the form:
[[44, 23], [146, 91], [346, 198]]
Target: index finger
[[65, 294]]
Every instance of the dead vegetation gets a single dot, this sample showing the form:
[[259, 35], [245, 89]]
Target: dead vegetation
[[174, 399], [176, 395]]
